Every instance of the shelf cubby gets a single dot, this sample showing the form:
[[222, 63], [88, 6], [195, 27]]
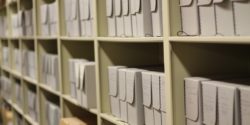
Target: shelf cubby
[[45, 98], [16, 56], [197, 59], [133, 55], [74, 50], [72, 110], [46, 47], [18, 119], [18, 92], [30, 90], [6, 60]]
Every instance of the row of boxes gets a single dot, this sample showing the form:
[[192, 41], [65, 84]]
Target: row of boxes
[[134, 18], [29, 63], [22, 24], [19, 93], [53, 114], [6, 87], [50, 70], [137, 96], [32, 104], [82, 82], [5, 56], [3, 25], [79, 17], [222, 102], [215, 17], [17, 62], [49, 19]]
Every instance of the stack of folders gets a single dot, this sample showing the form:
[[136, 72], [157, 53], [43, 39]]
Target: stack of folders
[[215, 17], [29, 63], [134, 18], [19, 93], [28, 17], [82, 82], [79, 17], [5, 56], [49, 19], [17, 59], [137, 96], [32, 105], [3, 25], [217, 102], [53, 114], [6, 90], [50, 71], [18, 24]]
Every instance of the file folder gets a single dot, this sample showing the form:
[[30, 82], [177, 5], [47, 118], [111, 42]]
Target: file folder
[[244, 104], [190, 17], [156, 10], [134, 97], [224, 17], [53, 18], [207, 17], [114, 89], [193, 100], [241, 8], [119, 18], [122, 94], [110, 13], [28, 22], [126, 12], [45, 29], [74, 18], [143, 17]]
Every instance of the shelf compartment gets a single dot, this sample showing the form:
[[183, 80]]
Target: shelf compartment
[[74, 50], [71, 110], [193, 59], [28, 47], [48, 48], [31, 101], [106, 121], [18, 118], [16, 59], [6, 60], [45, 98], [126, 54], [18, 92]]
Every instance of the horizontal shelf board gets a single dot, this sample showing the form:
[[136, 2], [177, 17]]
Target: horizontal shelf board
[[4, 38], [112, 119], [14, 38], [27, 38], [7, 69], [74, 101], [212, 39], [46, 37], [8, 101], [17, 108], [30, 80], [16, 73], [30, 120], [130, 39], [48, 89], [66, 38]]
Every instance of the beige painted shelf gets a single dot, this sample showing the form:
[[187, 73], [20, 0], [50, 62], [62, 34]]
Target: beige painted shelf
[[181, 56]]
